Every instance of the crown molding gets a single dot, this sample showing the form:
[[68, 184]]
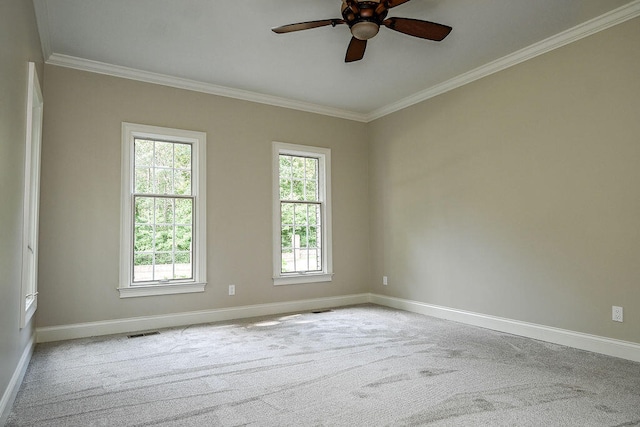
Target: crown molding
[[610, 19], [193, 85]]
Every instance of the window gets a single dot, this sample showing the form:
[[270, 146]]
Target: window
[[163, 223], [31, 202], [301, 214]]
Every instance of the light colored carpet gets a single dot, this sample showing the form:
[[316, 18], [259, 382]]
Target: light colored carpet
[[355, 366]]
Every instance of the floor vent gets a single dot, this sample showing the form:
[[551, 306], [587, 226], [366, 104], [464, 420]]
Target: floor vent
[[143, 334], [321, 311]]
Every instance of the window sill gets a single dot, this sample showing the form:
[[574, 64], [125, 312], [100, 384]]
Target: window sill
[[302, 278], [161, 289]]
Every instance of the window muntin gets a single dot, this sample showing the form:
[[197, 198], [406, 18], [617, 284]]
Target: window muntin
[[302, 214], [163, 215], [163, 211]]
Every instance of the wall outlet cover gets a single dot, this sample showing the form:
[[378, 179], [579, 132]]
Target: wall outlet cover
[[616, 314]]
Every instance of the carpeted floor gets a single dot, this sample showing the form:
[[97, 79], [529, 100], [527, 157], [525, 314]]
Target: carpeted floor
[[356, 366]]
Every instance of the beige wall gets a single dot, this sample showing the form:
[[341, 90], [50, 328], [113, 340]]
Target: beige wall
[[519, 195], [19, 44], [80, 204], [514, 196]]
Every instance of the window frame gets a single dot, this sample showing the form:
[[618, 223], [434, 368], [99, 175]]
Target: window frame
[[31, 202], [127, 288], [324, 194]]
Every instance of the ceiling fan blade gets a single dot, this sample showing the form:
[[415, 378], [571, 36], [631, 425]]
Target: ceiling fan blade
[[394, 3], [417, 28], [307, 25], [356, 49]]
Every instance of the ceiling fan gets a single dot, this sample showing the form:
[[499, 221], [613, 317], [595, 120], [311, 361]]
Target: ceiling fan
[[364, 18]]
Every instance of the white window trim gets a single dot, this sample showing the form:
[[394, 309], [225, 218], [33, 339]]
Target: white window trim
[[31, 204], [130, 131], [324, 156]]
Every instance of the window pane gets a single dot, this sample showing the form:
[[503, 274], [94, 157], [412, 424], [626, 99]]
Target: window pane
[[143, 238], [286, 237], [311, 193], [314, 214], [183, 238], [288, 265], [285, 189], [142, 267], [285, 166], [314, 260], [286, 213], [312, 168], [158, 243], [164, 181], [143, 153], [164, 211], [164, 154], [143, 210], [298, 190], [313, 237], [300, 222], [183, 266], [143, 180], [300, 260], [182, 182], [184, 211], [301, 214], [163, 268], [301, 237], [298, 167], [164, 238], [182, 154]]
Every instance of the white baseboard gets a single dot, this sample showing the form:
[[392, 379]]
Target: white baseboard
[[610, 347], [119, 326], [11, 391]]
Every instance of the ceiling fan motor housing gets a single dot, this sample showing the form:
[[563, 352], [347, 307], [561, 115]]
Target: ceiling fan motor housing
[[364, 17]]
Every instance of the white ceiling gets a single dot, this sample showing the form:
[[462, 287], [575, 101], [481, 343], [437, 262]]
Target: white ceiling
[[227, 47]]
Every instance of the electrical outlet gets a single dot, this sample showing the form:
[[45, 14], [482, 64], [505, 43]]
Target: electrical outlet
[[384, 280], [616, 314], [232, 289]]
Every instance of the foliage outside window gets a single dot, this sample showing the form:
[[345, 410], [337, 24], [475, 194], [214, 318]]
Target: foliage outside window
[[302, 249], [163, 211]]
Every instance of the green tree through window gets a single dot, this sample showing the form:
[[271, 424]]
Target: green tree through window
[[300, 214], [163, 211], [302, 237]]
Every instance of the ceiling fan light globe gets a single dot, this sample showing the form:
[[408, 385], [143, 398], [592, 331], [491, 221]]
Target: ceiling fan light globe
[[364, 30]]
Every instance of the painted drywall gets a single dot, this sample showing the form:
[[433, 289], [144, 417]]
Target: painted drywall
[[20, 45], [80, 204], [519, 195]]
